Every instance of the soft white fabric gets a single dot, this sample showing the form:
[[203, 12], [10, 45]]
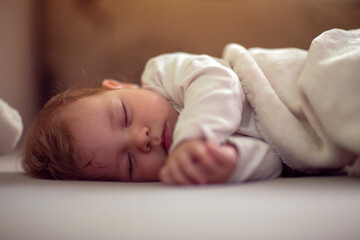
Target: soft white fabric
[[10, 127], [213, 106], [307, 104], [257, 161]]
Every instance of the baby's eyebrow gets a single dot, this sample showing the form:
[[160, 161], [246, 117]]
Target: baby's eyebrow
[[96, 165], [92, 162], [88, 164]]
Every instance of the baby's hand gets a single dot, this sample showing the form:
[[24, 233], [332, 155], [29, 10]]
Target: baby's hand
[[199, 162]]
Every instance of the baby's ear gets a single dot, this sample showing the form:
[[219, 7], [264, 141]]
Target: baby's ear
[[113, 84]]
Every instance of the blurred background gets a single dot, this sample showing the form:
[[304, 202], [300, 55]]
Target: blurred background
[[49, 45]]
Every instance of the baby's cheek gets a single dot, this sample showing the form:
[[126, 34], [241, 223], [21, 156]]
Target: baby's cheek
[[150, 167]]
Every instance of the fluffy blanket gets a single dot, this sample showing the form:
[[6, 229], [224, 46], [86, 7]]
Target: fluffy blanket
[[307, 103]]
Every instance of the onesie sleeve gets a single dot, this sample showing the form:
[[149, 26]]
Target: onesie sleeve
[[256, 160], [206, 89]]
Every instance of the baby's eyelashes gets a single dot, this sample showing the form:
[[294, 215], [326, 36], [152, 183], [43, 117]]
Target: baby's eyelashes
[[126, 122]]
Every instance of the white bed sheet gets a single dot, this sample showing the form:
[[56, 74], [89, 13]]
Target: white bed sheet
[[288, 208]]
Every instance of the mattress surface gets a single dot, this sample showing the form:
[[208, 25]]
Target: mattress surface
[[287, 208]]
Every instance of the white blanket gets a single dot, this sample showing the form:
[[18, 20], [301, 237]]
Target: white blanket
[[307, 103]]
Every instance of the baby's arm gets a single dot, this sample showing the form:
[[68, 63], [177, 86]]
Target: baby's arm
[[207, 93], [199, 162]]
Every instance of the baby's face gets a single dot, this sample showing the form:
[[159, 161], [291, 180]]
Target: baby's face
[[121, 135]]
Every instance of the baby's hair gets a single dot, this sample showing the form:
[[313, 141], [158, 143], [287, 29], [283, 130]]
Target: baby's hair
[[49, 150]]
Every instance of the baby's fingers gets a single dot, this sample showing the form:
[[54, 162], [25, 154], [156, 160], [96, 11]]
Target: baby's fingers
[[223, 154], [165, 177], [176, 175], [193, 171], [181, 172]]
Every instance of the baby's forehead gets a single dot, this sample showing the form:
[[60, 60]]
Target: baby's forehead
[[85, 102]]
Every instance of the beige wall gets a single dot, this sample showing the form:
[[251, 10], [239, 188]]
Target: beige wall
[[17, 81], [91, 40]]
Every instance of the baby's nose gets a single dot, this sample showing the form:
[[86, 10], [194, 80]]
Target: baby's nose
[[142, 140]]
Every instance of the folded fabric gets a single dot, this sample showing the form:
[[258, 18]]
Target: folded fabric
[[10, 127], [307, 103]]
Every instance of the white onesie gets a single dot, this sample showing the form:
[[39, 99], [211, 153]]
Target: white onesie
[[212, 105]]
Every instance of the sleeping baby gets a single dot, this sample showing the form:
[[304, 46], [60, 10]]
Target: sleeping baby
[[196, 119]]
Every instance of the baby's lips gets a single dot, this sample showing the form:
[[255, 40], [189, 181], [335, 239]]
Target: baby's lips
[[163, 144], [166, 139]]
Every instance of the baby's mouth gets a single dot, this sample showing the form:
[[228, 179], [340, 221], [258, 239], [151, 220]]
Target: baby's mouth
[[166, 139]]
